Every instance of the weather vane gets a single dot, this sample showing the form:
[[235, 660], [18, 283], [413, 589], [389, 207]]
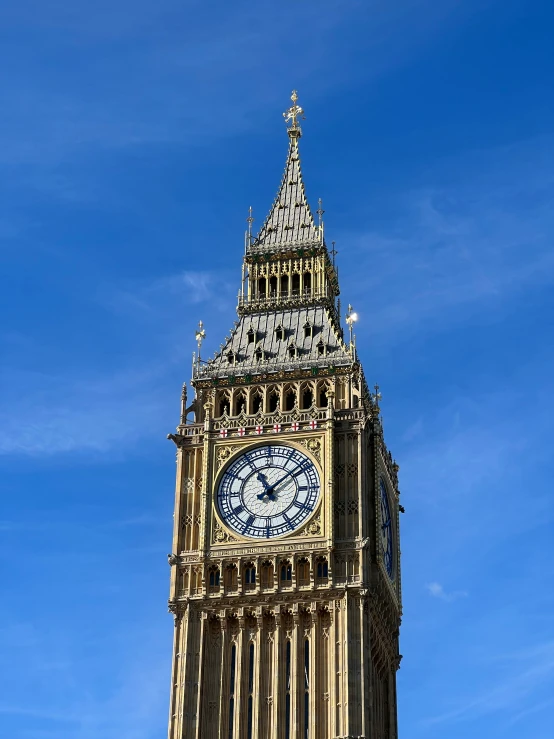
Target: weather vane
[[200, 335], [294, 112]]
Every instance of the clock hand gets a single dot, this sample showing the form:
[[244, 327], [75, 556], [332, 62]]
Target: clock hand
[[291, 473], [267, 489]]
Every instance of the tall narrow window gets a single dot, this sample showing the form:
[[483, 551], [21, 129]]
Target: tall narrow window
[[273, 286], [285, 285], [290, 399], [306, 689], [261, 287], [273, 402], [279, 333], [232, 691], [287, 693], [308, 331], [295, 284], [250, 577], [322, 568], [307, 398], [323, 400], [307, 282], [286, 572], [257, 403], [250, 690]]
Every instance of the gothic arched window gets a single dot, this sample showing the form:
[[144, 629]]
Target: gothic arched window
[[250, 576], [303, 571], [257, 402], [323, 400], [266, 574], [274, 401], [322, 568], [308, 330], [296, 284], [231, 577], [290, 400], [213, 579], [286, 572]]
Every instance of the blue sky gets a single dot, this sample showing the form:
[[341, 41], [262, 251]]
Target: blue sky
[[134, 138]]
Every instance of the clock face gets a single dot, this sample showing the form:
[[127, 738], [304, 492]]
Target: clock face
[[386, 529], [268, 491]]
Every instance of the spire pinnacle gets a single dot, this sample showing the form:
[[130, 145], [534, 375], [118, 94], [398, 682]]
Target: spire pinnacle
[[250, 221], [293, 114]]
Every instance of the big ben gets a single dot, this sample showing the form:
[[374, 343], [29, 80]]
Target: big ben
[[285, 564]]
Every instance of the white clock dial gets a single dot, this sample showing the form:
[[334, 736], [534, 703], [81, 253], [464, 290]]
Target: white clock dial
[[268, 491]]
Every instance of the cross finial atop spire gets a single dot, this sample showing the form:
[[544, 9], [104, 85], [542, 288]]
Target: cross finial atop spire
[[293, 114]]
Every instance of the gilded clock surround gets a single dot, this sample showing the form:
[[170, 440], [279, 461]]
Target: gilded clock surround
[[294, 637]]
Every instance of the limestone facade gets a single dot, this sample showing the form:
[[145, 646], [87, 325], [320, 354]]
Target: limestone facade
[[293, 637]]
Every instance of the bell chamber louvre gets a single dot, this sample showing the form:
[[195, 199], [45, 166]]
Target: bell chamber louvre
[[285, 564]]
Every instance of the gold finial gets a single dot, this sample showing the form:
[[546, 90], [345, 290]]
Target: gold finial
[[351, 318], [200, 335], [294, 112]]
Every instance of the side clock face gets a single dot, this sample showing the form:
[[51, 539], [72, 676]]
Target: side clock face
[[386, 529], [268, 491]]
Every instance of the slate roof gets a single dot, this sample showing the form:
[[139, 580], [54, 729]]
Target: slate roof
[[276, 351], [290, 220]]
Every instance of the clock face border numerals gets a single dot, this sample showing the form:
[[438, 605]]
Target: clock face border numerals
[[268, 491], [386, 530]]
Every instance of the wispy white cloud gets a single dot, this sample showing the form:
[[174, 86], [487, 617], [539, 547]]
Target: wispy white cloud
[[437, 591]]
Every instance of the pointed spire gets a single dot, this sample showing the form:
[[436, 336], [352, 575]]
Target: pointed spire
[[290, 220]]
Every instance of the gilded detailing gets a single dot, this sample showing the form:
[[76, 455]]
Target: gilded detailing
[[293, 636], [290, 220]]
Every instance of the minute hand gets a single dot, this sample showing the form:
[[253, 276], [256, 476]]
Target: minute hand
[[285, 477]]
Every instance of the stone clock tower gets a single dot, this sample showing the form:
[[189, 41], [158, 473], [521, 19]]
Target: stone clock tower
[[285, 571]]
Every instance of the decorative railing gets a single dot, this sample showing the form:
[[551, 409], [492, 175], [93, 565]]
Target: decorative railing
[[269, 419], [267, 366], [191, 429], [350, 414], [294, 299]]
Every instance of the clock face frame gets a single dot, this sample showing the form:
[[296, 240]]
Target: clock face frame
[[386, 530], [268, 491]]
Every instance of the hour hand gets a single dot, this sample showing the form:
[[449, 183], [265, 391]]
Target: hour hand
[[267, 489]]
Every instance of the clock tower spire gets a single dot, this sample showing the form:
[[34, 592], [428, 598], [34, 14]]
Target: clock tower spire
[[285, 566]]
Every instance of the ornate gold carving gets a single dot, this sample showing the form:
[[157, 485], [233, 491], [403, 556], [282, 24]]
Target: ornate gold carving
[[223, 454], [313, 528], [313, 446], [220, 536]]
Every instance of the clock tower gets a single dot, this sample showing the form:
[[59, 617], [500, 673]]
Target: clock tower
[[285, 565]]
